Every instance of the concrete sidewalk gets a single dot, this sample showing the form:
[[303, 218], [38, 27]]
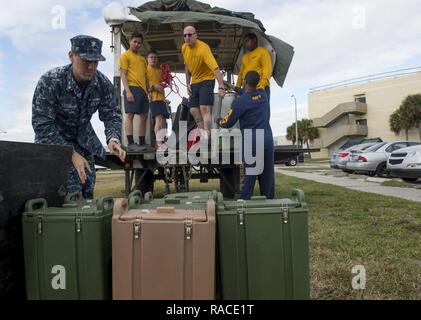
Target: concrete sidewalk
[[357, 184]]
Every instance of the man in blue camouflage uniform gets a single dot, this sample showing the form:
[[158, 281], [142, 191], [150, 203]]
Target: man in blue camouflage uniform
[[62, 107]]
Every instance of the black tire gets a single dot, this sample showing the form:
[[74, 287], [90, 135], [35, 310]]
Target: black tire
[[409, 179], [146, 184], [292, 162], [371, 173], [381, 170], [180, 183]]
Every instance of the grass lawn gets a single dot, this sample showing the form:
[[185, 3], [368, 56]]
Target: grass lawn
[[402, 184], [346, 228]]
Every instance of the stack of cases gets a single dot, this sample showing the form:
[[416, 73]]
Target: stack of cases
[[68, 249]]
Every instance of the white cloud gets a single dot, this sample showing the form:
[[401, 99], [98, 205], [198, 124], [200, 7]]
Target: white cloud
[[2, 58], [327, 48], [281, 118]]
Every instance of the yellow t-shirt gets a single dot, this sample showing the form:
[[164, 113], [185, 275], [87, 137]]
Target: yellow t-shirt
[[154, 75], [200, 61], [258, 60], [136, 65]]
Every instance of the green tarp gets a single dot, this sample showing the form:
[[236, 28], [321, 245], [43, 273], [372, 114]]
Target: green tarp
[[191, 11]]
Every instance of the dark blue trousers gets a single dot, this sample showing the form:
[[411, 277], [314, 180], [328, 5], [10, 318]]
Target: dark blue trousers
[[266, 178], [73, 182]]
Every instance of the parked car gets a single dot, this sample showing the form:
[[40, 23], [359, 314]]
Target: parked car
[[348, 144], [343, 156], [405, 163], [373, 161]]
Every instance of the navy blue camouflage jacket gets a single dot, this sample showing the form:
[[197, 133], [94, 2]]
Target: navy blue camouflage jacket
[[60, 115]]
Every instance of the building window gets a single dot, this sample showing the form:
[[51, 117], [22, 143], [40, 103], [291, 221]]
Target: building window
[[361, 122], [360, 98]]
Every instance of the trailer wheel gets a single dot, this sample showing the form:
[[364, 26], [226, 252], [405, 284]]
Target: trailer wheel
[[181, 184], [292, 162]]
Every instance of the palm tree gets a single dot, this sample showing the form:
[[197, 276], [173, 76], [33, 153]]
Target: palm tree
[[396, 123], [291, 133], [306, 132], [407, 116], [411, 107]]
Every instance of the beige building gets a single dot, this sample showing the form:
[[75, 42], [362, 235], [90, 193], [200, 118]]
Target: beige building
[[281, 141], [360, 109]]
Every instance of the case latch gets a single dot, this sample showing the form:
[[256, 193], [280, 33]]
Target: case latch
[[136, 229], [188, 227]]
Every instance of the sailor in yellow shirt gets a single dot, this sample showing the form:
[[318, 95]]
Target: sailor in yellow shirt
[[255, 59], [157, 103], [201, 70], [133, 69]]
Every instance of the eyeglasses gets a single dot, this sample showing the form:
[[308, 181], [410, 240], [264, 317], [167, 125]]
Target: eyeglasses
[[189, 34]]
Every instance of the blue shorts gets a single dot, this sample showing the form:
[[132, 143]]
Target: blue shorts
[[159, 108], [140, 103], [202, 94]]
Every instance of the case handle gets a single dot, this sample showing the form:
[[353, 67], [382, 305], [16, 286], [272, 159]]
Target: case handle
[[73, 197], [298, 195], [258, 198], [105, 203], [172, 201], [148, 197], [135, 199], [35, 204], [165, 210], [181, 196]]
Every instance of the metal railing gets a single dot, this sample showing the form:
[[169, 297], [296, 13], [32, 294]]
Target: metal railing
[[378, 76]]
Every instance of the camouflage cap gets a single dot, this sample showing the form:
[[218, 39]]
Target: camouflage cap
[[87, 47]]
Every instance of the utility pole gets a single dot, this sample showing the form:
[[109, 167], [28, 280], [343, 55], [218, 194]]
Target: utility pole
[[296, 127]]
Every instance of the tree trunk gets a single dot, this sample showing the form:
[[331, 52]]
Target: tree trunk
[[419, 130], [406, 134], [308, 149]]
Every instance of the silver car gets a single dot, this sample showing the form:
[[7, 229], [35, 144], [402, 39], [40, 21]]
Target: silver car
[[405, 163], [373, 161], [343, 155]]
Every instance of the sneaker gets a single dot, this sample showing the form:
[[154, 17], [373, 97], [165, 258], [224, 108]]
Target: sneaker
[[147, 148], [133, 147]]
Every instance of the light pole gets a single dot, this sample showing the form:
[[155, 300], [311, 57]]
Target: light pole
[[296, 126]]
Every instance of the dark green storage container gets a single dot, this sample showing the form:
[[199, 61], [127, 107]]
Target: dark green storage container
[[263, 249], [68, 250]]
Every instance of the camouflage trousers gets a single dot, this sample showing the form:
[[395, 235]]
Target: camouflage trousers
[[73, 181]]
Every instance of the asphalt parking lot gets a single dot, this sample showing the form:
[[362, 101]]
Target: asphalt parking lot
[[321, 172]]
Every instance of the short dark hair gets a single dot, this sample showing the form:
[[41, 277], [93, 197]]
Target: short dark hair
[[252, 79], [152, 51], [251, 36], [136, 35]]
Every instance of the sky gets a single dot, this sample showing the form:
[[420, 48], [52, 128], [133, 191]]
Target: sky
[[334, 40]]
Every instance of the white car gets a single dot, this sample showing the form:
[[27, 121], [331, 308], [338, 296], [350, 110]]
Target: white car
[[405, 163], [373, 161]]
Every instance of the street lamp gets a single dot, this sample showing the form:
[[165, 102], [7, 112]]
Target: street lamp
[[296, 126]]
